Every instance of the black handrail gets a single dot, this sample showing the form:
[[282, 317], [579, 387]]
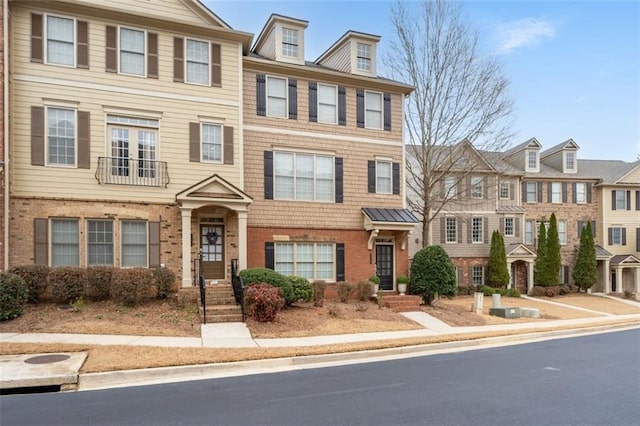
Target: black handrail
[[132, 171], [203, 289], [238, 286]]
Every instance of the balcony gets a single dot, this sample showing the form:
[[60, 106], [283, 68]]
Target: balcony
[[128, 171]]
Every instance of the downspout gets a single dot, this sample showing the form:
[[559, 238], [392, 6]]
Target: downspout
[[6, 165]]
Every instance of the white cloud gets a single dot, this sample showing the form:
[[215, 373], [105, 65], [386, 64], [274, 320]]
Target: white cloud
[[524, 32]]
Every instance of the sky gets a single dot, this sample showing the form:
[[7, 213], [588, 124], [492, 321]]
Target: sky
[[574, 66]]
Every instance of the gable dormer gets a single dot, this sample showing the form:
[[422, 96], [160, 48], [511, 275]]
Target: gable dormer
[[526, 155], [562, 157], [354, 52], [282, 39]]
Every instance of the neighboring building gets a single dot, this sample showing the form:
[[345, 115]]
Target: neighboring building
[[126, 141], [3, 154], [324, 158], [618, 195]]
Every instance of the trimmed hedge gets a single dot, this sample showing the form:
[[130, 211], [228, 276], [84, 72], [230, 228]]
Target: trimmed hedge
[[364, 290], [36, 278], [14, 294], [165, 281], [344, 290], [99, 282], [271, 277], [133, 286], [67, 283], [302, 289]]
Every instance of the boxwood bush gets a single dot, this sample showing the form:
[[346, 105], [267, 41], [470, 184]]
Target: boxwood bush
[[432, 274], [99, 282], [302, 289], [36, 278], [13, 296], [133, 286], [165, 281], [67, 283], [271, 277]]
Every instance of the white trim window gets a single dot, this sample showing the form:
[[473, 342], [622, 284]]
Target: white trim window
[[132, 51], [99, 242], [65, 242], [570, 161], [303, 177], [383, 177], [556, 192], [532, 159], [211, 142], [133, 144], [290, 42], [314, 261], [505, 190], [477, 187], [61, 136], [197, 62], [477, 276], [621, 200], [373, 110], [476, 230], [529, 232], [616, 235], [277, 97], [133, 243], [451, 230], [581, 192], [450, 187], [562, 232], [531, 192], [363, 56], [509, 227], [327, 104], [60, 41]]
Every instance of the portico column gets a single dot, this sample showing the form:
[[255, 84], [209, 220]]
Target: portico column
[[186, 248], [618, 280], [607, 277], [511, 281], [530, 277], [637, 281], [242, 240]]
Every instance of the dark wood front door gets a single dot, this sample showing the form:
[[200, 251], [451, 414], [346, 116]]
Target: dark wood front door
[[384, 266], [212, 245]]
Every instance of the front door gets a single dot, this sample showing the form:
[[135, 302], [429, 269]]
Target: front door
[[212, 245], [384, 265]]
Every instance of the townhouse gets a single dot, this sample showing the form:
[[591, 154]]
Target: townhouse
[[324, 158], [125, 135]]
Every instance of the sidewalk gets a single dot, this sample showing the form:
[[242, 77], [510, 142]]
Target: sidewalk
[[237, 335]]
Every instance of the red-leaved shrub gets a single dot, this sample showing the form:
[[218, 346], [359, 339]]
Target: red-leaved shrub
[[263, 302]]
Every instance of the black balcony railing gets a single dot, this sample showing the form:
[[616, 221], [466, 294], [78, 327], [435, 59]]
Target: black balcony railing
[[128, 171]]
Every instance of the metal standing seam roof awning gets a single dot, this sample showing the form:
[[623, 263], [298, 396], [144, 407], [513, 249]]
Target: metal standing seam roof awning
[[379, 219]]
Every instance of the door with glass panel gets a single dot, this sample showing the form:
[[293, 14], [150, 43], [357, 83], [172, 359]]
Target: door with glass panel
[[133, 144], [212, 246], [384, 265]]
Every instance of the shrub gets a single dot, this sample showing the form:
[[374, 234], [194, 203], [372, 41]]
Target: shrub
[[402, 279], [133, 286], [552, 291], [361, 307], [319, 287], [271, 277], [538, 291], [263, 301], [432, 274], [628, 294], [35, 276], [67, 283], [374, 279], [14, 294], [302, 289], [165, 281], [512, 292], [585, 273], [335, 311], [497, 270], [99, 282], [564, 290], [465, 290], [364, 290], [344, 290], [488, 291]]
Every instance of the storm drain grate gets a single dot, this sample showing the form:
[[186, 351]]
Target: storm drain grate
[[46, 359]]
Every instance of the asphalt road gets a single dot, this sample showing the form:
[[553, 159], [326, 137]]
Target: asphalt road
[[591, 380]]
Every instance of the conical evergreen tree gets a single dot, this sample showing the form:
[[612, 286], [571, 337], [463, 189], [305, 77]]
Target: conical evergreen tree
[[553, 258], [541, 255], [585, 273], [497, 271]]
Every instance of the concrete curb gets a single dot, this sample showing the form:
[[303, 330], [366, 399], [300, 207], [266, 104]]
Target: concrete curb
[[113, 379]]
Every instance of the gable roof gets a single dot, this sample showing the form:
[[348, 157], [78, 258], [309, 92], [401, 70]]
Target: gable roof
[[214, 190], [275, 17], [349, 34], [568, 144], [206, 13], [531, 143]]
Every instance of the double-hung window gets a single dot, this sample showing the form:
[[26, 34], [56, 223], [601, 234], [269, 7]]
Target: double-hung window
[[302, 176], [451, 229], [570, 161], [477, 187], [65, 242], [211, 135], [61, 136], [60, 41], [373, 110], [290, 42], [616, 235], [132, 51], [134, 145], [477, 275], [621, 200], [363, 56], [581, 191], [529, 232], [276, 97], [327, 104], [531, 195], [450, 188], [509, 227], [383, 177], [562, 232], [99, 242], [197, 62], [308, 260], [532, 161], [556, 192], [133, 243], [504, 190], [476, 230]]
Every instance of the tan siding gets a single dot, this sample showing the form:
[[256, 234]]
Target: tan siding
[[268, 49], [174, 10], [633, 177], [629, 219], [555, 160], [340, 60]]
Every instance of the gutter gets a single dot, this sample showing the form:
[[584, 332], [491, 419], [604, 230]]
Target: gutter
[[6, 164]]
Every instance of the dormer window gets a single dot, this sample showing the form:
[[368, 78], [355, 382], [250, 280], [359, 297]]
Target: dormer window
[[570, 161], [363, 60], [290, 42], [532, 161]]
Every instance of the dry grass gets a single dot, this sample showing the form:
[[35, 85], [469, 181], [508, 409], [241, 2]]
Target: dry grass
[[596, 303]]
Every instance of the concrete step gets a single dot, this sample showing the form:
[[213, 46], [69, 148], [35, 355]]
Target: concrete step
[[223, 309]]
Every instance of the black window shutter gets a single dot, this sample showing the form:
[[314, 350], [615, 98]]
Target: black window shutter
[[82, 45], [637, 200], [340, 275], [637, 239], [574, 194], [387, 111], [589, 192], [313, 101], [268, 175], [624, 236], [339, 180], [371, 176], [485, 229], [516, 227], [566, 275], [152, 55], [443, 230], [524, 191], [40, 240], [459, 230], [154, 244], [581, 225], [37, 136], [512, 193], [564, 192], [261, 95], [342, 106], [228, 145], [396, 178], [610, 236], [360, 107], [628, 200], [539, 187], [549, 192], [613, 200], [37, 39], [194, 142], [293, 99], [269, 255], [84, 140], [593, 228]]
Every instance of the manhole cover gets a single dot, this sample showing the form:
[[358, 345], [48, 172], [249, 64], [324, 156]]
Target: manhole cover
[[46, 359]]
